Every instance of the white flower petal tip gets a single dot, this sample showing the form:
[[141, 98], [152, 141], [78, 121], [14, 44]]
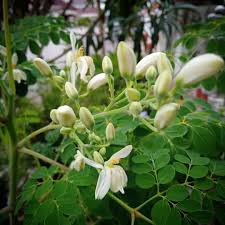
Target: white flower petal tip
[[123, 153], [146, 62], [200, 68]]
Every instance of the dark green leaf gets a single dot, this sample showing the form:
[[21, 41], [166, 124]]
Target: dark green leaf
[[182, 158], [198, 171], [162, 161], [202, 217], [177, 193], [174, 217], [181, 168], [141, 168], [189, 205], [204, 184], [41, 172], [145, 181], [34, 47], [166, 174], [176, 131]]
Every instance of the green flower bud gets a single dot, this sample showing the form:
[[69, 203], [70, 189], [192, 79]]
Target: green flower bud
[[80, 127], [107, 66], [59, 80], [86, 117], [70, 90], [65, 130], [200, 68], [165, 115], [53, 115], [151, 74], [110, 132], [163, 84], [132, 94], [102, 151], [98, 158], [62, 73], [135, 108], [43, 67], [163, 64], [94, 138], [126, 60], [66, 116]]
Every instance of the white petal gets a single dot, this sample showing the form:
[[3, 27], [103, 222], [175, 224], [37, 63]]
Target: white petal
[[123, 153], [73, 71], [83, 68], [73, 41], [103, 183], [97, 81], [118, 179], [90, 162]]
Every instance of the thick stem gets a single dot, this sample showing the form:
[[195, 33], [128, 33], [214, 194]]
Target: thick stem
[[11, 120], [36, 132], [43, 158]]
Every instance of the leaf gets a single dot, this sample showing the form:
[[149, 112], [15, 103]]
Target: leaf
[[52, 136], [59, 188], [55, 37], [160, 208], [44, 210], [218, 167], [198, 171], [176, 131], [220, 188], [202, 217], [189, 205], [145, 181], [177, 193], [166, 174], [196, 159], [44, 189], [162, 161], [41, 172], [181, 168], [43, 38], [182, 158], [34, 47], [204, 184], [174, 217], [204, 140], [141, 168], [140, 159]]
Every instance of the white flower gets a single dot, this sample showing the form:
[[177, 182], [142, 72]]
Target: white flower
[[200, 68], [18, 75], [86, 67], [78, 164], [112, 176]]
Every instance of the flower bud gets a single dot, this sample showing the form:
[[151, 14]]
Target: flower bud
[[94, 138], [132, 94], [59, 80], [102, 151], [151, 74], [86, 117], [107, 66], [65, 130], [62, 73], [145, 63], [200, 68], [97, 81], [14, 60], [70, 90], [135, 108], [43, 67], [110, 132], [66, 116], [80, 128], [126, 60], [98, 158], [162, 84], [53, 115], [163, 64], [165, 115], [78, 164]]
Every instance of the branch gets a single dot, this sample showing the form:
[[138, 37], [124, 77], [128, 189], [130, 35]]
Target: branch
[[43, 158]]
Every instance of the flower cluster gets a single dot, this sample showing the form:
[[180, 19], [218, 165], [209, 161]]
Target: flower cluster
[[154, 71]]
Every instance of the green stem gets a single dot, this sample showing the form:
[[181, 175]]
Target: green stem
[[111, 112], [11, 120], [35, 133], [43, 158], [147, 124]]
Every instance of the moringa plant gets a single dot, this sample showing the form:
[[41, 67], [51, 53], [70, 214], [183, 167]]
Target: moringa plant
[[148, 154]]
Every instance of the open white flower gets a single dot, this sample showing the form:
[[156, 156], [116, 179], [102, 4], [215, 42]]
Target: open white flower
[[112, 176]]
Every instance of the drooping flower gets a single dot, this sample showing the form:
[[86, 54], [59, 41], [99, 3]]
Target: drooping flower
[[97, 81], [78, 162], [112, 176]]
